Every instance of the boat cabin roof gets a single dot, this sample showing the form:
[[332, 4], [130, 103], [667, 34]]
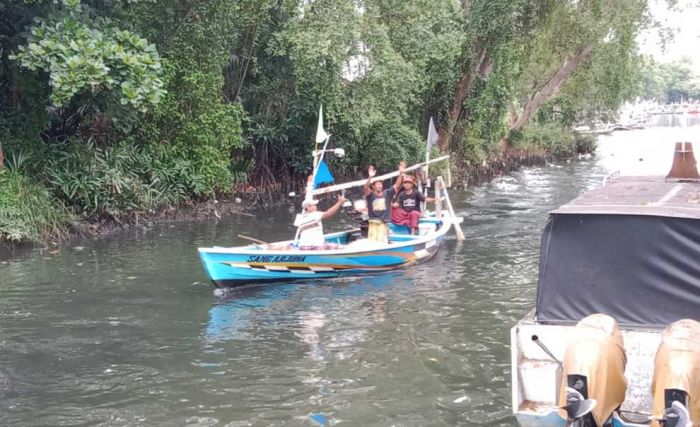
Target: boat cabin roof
[[628, 250], [639, 195]]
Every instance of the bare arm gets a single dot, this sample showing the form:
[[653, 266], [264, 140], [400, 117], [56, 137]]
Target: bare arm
[[399, 179], [371, 172], [333, 209]]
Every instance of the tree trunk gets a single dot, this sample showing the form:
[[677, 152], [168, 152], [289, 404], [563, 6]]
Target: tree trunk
[[2, 157], [547, 91], [483, 67], [251, 51]]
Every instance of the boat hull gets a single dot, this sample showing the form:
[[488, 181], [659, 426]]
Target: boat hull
[[227, 267]]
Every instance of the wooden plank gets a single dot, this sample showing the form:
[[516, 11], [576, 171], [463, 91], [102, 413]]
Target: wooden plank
[[361, 182]]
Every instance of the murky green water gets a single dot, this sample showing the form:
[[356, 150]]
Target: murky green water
[[124, 331]]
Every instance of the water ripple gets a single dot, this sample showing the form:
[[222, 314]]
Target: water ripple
[[119, 333]]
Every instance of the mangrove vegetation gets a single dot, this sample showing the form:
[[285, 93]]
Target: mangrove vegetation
[[111, 110]]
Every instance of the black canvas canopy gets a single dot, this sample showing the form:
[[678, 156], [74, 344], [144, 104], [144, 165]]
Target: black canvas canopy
[[630, 250]]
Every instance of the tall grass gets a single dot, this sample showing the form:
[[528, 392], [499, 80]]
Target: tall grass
[[127, 179], [28, 211]]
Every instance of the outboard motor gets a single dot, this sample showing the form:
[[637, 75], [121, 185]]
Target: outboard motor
[[676, 383], [593, 370], [677, 415]]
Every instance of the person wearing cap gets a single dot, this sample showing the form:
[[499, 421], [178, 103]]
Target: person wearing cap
[[406, 208], [311, 228], [379, 204]]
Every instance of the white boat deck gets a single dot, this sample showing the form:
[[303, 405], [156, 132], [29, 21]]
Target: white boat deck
[[537, 378]]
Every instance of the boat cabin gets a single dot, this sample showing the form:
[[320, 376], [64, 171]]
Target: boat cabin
[[630, 249]]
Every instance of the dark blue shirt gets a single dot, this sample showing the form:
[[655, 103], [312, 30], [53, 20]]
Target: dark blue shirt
[[379, 207], [410, 202]]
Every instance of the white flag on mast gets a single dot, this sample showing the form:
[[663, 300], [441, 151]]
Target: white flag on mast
[[431, 142], [432, 135], [321, 134]]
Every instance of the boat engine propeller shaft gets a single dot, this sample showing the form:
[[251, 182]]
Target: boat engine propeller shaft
[[578, 409]]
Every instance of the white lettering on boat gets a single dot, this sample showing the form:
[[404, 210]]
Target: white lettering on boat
[[276, 258]]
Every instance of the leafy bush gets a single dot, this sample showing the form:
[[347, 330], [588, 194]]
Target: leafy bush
[[206, 142], [78, 56], [118, 181], [384, 144], [584, 143], [555, 139], [28, 211]]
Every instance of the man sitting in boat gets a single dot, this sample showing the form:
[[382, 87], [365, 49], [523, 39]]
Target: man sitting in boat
[[406, 208], [311, 228], [379, 204]]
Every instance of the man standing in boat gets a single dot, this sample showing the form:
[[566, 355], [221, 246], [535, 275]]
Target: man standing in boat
[[406, 208], [379, 203], [311, 228]]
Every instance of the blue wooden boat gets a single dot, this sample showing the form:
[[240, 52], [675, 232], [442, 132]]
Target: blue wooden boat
[[353, 255], [346, 253]]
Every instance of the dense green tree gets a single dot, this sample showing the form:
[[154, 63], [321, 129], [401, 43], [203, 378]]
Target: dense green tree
[[593, 39]]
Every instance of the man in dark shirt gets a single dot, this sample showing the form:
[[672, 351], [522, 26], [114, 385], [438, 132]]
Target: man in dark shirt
[[379, 203], [407, 205]]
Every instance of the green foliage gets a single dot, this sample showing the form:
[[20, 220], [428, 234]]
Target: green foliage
[[231, 89], [428, 35], [473, 149], [611, 74], [117, 182], [198, 126], [384, 144], [553, 138], [668, 82], [368, 67], [78, 57], [585, 144], [28, 212]]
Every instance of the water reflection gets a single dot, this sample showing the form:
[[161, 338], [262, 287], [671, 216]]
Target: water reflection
[[231, 317], [674, 120]]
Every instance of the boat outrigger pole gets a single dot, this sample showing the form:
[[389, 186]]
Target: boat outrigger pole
[[361, 182]]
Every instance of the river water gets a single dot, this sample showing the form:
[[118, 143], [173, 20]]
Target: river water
[[126, 331]]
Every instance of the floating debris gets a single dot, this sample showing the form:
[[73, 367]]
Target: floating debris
[[319, 419]]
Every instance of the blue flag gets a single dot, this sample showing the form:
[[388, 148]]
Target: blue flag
[[323, 175]]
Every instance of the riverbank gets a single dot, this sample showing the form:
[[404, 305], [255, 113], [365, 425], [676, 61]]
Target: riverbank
[[503, 162], [40, 220], [211, 209]]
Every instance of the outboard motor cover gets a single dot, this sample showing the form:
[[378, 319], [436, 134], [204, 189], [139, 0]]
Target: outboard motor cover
[[677, 370], [595, 360]]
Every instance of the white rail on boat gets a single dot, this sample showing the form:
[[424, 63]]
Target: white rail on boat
[[361, 182], [457, 227]]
